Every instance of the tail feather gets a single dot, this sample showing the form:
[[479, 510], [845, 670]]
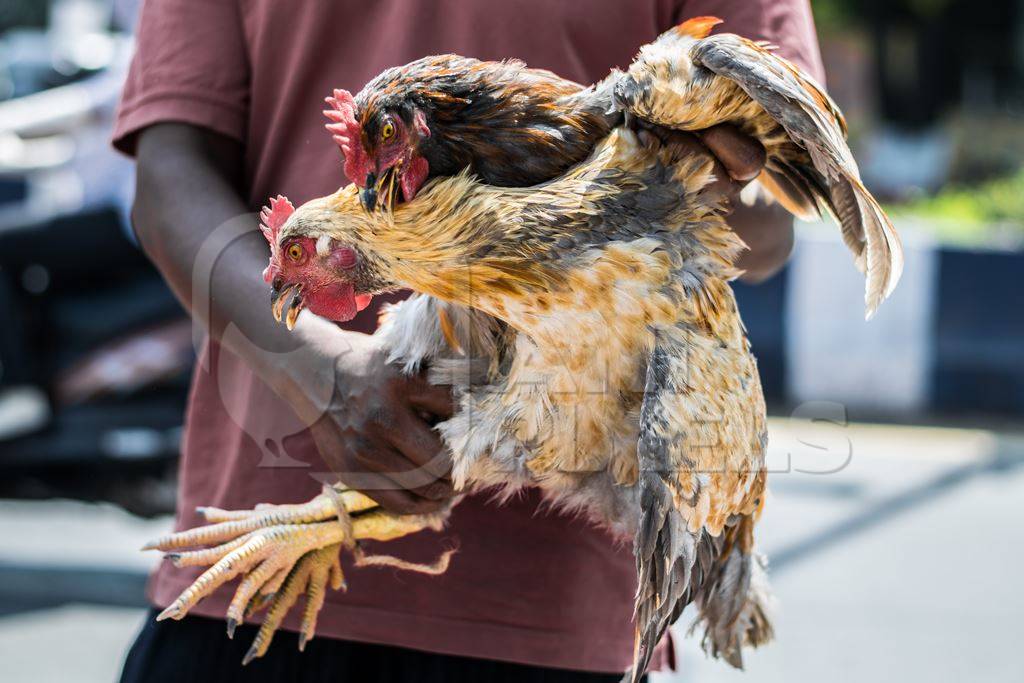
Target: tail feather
[[734, 605], [723, 576], [882, 245]]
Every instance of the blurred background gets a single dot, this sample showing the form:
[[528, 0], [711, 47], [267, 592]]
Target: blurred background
[[895, 526]]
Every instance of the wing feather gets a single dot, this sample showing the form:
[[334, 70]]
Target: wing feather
[[689, 83], [790, 189], [664, 547], [813, 121]]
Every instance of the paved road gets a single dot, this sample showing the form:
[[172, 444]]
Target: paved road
[[896, 557]]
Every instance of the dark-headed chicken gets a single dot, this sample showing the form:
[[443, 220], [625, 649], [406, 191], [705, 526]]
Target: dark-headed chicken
[[509, 125], [585, 324]]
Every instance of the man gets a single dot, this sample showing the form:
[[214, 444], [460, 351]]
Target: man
[[222, 109]]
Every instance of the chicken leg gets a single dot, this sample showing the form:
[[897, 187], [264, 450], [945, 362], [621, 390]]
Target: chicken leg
[[284, 551]]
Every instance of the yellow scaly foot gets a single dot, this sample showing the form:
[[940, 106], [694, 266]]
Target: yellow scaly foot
[[284, 551]]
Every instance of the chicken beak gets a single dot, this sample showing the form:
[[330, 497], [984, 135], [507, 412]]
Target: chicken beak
[[368, 195], [279, 297], [387, 187], [293, 311], [380, 190]]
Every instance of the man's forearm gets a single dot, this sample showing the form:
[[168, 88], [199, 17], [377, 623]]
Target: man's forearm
[[185, 192], [185, 189], [767, 229]]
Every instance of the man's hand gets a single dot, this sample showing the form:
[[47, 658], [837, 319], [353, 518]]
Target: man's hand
[[376, 430], [740, 157]]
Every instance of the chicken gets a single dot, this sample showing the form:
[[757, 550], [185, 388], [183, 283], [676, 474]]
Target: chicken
[[590, 336]]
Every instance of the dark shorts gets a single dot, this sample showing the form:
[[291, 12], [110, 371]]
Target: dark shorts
[[198, 650]]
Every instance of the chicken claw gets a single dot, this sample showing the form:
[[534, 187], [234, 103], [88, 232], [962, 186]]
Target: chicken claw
[[284, 551]]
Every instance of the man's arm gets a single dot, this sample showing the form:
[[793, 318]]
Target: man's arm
[[187, 186], [767, 229]]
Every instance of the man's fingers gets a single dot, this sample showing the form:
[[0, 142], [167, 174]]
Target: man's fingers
[[433, 399], [369, 464], [723, 186], [420, 444], [742, 156], [384, 475]]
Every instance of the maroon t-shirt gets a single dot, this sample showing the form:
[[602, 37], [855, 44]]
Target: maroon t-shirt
[[527, 585]]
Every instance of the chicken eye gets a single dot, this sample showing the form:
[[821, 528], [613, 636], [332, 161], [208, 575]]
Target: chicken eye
[[295, 252], [387, 130]]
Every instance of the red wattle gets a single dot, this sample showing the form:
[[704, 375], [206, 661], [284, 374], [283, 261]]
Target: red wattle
[[413, 177], [337, 302]]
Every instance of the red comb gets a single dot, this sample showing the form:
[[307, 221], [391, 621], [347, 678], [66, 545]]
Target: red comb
[[345, 130], [274, 216], [271, 219]]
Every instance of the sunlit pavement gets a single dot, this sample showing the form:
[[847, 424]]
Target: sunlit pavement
[[896, 556]]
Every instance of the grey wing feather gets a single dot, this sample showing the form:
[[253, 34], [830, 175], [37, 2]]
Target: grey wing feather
[[813, 121], [677, 565], [665, 549]]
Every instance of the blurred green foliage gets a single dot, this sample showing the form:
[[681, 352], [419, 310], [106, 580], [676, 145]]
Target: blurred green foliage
[[836, 15], [995, 201], [976, 214], [832, 16]]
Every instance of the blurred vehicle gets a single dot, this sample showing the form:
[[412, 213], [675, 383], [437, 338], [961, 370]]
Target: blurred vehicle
[[94, 350]]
